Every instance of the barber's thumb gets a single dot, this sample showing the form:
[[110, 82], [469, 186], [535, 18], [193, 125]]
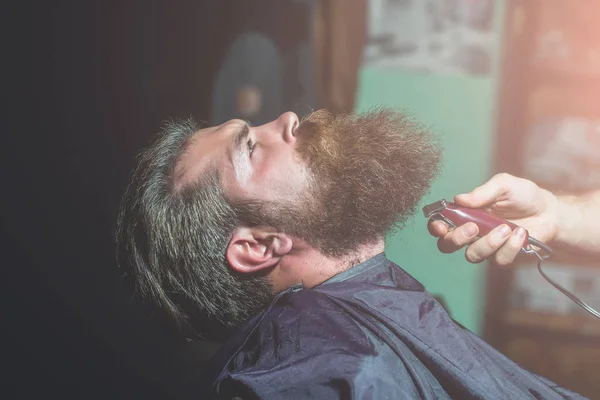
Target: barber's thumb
[[480, 197], [466, 200]]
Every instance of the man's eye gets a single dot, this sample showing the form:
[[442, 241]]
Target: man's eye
[[251, 145]]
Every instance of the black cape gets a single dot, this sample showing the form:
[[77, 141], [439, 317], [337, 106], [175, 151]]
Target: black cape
[[371, 332]]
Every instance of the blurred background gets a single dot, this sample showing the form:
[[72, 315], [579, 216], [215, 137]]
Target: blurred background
[[508, 85]]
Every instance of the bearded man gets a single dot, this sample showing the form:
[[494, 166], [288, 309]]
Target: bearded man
[[274, 236]]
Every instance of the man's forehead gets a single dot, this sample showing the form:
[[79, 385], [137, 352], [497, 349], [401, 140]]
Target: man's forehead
[[196, 157], [205, 149]]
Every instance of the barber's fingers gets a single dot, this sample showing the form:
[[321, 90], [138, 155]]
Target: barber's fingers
[[487, 193], [437, 228], [501, 243], [510, 249], [458, 238]]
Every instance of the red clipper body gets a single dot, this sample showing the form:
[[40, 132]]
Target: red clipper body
[[455, 216]]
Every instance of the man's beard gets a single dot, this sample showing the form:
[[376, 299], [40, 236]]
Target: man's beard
[[369, 173]]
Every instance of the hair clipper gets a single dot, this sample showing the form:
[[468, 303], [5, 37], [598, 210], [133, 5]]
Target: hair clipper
[[455, 216]]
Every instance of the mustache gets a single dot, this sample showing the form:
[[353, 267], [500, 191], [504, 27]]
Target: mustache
[[390, 140]]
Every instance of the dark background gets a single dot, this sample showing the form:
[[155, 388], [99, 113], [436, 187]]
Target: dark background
[[104, 77]]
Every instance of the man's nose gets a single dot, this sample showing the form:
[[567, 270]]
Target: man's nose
[[288, 123]]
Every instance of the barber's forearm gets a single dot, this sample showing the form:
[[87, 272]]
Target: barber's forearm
[[578, 222]]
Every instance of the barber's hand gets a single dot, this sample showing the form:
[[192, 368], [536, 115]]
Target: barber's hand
[[515, 199]]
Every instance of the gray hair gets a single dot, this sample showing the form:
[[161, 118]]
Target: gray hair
[[172, 241]]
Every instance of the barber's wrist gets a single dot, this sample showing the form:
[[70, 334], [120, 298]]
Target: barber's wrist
[[567, 215], [551, 216]]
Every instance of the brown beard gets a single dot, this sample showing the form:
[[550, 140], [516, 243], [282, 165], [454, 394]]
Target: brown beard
[[370, 171]]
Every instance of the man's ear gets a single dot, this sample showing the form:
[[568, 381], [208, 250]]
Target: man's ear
[[252, 250]]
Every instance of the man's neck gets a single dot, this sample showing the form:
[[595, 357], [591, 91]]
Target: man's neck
[[310, 267]]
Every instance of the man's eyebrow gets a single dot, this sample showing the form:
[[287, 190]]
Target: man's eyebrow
[[242, 136], [237, 151]]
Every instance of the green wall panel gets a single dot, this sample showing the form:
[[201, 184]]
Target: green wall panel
[[461, 110]]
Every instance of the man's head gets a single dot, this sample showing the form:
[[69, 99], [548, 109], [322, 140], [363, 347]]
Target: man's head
[[211, 215]]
